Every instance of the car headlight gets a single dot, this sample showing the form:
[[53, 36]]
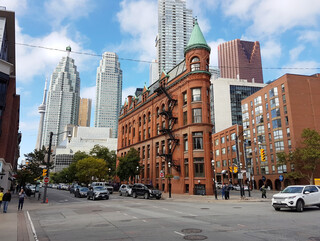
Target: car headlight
[[150, 191], [291, 197]]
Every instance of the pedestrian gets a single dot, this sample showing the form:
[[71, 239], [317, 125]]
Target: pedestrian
[[1, 196], [263, 192], [6, 199], [223, 191], [226, 196], [22, 195]]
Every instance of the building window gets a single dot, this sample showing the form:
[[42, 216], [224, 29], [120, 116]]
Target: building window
[[268, 116], [233, 136], [273, 92], [223, 151], [195, 64], [217, 152], [157, 148], [234, 149], [157, 170], [276, 123], [267, 106], [228, 149], [198, 167], [279, 146], [218, 164], [222, 140], [144, 134], [288, 132], [197, 141], [196, 94], [277, 134], [244, 107], [148, 151], [282, 88], [185, 118], [216, 142], [143, 152], [139, 121], [186, 167], [274, 102], [285, 111], [144, 119], [158, 112], [287, 120], [139, 135], [185, 142], [185, 100], [257, 100], [224, 163], [149, 132], [158, 129], [196, 115], [275, 113], [284, 99], [266, 97], [272, 159], [163, 147], [289, 144]]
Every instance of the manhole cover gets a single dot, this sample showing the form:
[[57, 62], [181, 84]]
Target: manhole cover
[[195, 237], [191, 230], [314, 238], [96, 210]]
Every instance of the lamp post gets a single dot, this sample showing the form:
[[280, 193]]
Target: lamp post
[[214, 180], [169, 166], [138, 173], [239, 166], [48, 161], [248, 167]]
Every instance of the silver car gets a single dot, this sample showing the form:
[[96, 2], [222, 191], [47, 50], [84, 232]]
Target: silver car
[[126, 190]]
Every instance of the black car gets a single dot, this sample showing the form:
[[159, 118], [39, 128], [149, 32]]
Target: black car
[[81, 192], [146, 191], [98, 192]]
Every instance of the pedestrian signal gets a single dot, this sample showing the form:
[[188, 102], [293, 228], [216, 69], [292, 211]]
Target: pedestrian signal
[[263, 155], [44, 172]]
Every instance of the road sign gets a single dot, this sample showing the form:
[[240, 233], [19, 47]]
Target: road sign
[[263, 178], [281, 178], [46, 180], [161, 174]]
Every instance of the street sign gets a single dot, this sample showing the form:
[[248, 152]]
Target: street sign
[[161, 174], [46, 180], [263, 178], [281, 178], [240, 176]]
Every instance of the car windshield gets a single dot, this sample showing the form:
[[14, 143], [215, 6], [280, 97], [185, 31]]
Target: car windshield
[[150, 187], [293, 190], [83, 189], [99, 188]]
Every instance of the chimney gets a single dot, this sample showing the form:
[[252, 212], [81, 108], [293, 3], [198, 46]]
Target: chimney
[[129, 100]]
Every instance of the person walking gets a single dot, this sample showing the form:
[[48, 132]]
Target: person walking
[[6, 199], [1, 196], [227, 194], [22, 195], [223, 191], [263, 192]]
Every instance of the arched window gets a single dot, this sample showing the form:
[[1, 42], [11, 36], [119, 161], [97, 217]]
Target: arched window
[[163, 107], [149, 116], [195, 64], [158, 112], [207, 65]]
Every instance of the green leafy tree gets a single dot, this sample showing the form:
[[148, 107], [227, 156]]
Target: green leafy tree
[[127, 167], [305, 159], [104, 153], [79, 155], [89, 168]]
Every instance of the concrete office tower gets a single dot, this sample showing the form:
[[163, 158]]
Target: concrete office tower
[[175, 25], [225, 103], [63, 100], [240, 59], [109, 93], [42, 111], [84, 112]]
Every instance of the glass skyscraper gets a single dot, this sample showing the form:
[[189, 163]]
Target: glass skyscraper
[[175, 25], [63, 100], [109, 93]]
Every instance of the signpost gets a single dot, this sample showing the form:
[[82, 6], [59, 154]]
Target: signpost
[[46, 180], [281, 178]]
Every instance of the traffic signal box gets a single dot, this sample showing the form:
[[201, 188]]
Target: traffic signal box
[[233, 169], [44, 172], [263, 155]]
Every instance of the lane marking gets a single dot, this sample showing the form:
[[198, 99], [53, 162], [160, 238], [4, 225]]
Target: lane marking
[[144, 220], [134, 217], [125, 214], [179, 233], [179, 212], [32, 227], [165, 209]]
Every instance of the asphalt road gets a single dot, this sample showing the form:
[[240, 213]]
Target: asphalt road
[[125, 218]]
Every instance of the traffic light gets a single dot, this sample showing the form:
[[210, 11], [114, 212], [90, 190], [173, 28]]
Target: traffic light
[[44, 172], [233, 169], [263, 155]]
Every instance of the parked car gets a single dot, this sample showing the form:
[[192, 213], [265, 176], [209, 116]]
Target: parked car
[[146, 191], [74, 187], [125, 189], [98, 192], [297, 197], [103, 184], [81, 191]]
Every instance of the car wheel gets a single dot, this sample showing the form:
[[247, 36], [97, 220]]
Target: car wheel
[[158, 198], [107, 198], [126, 194], [134, 195], [88, 197], [300, 206], [146, 195], [277, 209]]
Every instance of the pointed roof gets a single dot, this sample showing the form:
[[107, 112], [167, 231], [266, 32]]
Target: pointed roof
[[197, 39]]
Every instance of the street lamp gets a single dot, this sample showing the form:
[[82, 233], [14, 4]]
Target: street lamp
[[239, 166], [48, 161], [169, 165], [248, 167], [214, 180], [137, 176]]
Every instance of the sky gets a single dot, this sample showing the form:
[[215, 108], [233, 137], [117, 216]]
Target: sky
[[288, 32]]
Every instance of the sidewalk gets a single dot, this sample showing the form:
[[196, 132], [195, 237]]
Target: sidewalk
[[14, 225]]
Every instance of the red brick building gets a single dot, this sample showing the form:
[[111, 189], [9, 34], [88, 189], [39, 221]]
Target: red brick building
[[169, 124], [273, 119], [9, 101], [238, 59]]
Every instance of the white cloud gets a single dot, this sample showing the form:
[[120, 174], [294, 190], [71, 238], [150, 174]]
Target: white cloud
[[141, 25], [58, 10], [126, 92], [238, 8], [33, 61], [310, 36], [295, 52], [90, 93], [271, 51], [29, 126], [214, 51], [18, 6], [301, 67]]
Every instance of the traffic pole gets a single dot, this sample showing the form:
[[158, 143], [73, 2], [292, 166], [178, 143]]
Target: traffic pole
[[48, 165]]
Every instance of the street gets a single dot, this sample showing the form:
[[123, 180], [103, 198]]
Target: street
[[126, 218]]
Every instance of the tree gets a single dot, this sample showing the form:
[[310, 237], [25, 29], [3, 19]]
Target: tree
[[127, 167], [104, 153], [89, 168], [79, 155], [305, 159]]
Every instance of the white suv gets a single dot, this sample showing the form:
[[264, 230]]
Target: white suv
[[297, 197]]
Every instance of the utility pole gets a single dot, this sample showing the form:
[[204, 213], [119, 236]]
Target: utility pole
[[48, 165]]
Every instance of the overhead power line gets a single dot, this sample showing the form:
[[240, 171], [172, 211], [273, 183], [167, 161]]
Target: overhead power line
[[148, 61]]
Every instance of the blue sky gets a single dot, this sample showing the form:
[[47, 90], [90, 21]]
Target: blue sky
[[288, 31]]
